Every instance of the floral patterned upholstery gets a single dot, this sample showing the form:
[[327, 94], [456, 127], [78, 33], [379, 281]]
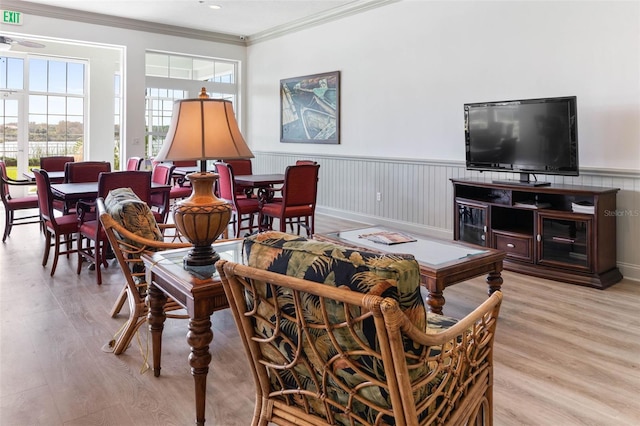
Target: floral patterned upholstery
[[392, 276], [132, 213]]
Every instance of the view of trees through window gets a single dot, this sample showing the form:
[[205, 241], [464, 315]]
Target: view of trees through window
[[53, 122], [174, 77]]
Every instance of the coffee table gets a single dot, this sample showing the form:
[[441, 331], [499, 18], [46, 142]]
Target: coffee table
[[442, 263]]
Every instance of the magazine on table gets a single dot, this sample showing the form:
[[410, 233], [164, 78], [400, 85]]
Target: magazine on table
[[388, 237]]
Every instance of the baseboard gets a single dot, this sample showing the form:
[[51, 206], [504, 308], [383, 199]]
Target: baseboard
[[629, 271]]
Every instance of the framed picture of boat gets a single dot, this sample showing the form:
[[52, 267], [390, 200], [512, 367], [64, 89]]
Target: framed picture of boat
[[310, 109]]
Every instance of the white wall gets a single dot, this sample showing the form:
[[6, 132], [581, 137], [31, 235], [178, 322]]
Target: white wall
[[101, 96], [407, 68]]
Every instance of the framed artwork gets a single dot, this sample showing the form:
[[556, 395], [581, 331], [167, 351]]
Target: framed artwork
[[310, 109]]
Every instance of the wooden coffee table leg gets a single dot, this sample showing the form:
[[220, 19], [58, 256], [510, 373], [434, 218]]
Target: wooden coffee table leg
[[494, 281], [199, 337], [156, 300], [435, 299]]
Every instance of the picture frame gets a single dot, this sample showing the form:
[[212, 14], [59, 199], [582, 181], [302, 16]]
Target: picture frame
[[310, 109]]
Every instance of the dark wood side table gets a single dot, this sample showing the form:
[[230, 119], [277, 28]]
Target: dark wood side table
[[200, 296]]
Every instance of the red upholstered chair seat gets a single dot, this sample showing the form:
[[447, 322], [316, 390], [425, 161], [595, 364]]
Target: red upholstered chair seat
[[28, 202], [11, 205]]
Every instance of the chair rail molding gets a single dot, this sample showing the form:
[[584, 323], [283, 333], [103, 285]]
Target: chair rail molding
[[417, 196]]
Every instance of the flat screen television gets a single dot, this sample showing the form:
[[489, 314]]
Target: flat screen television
[[527, 136]]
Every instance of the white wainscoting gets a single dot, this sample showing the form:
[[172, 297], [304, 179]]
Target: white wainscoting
[[417, 195]]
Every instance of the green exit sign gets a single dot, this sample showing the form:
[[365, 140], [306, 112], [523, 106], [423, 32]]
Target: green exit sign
[[11, 17]]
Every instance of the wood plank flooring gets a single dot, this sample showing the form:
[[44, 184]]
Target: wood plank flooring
[[565, 355]]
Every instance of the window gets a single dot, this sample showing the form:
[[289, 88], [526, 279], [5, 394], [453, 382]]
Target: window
[[54, 91], [173, 77], [159, 108]]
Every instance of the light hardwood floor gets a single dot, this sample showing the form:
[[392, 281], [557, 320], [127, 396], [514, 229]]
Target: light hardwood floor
[[564, 355]]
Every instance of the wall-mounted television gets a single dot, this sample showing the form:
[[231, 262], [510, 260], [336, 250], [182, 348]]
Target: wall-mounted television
[[528, 136]]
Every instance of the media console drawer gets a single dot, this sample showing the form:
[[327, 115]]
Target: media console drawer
[[516, 246]]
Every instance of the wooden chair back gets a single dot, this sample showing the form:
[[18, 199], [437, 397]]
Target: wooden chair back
[[45, 196], [133, 163], [186, 163], [226, 185], [85, 171], [241, 167], [300, 186], [244, 209], [162, 174], [138, 181], [55, 163]]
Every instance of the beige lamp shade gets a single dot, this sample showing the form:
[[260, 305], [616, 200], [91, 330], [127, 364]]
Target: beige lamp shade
[[203, 129]]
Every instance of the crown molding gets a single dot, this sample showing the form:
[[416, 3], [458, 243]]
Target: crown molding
[[117, 22], [336, 13], [339, 12]]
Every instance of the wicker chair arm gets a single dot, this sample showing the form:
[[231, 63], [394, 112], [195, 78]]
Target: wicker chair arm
[[492, 304], [110, 223]]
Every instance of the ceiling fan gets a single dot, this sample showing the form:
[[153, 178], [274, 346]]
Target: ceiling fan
[[7, 42]]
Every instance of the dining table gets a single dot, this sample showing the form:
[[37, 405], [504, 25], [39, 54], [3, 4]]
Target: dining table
[[73, 192], [261, 182], [57, 176]]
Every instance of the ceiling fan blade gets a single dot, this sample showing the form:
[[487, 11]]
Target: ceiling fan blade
[[27, 43]]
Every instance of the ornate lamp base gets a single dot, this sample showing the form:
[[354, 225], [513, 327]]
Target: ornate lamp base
[[201, 218]]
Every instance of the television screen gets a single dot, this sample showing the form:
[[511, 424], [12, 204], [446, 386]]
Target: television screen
[[526, 136]]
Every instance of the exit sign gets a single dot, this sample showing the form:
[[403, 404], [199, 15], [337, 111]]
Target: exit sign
[[11, 17]]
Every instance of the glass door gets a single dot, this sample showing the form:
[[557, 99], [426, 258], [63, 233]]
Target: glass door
[[565, 240], [13, 150], [471, 223]]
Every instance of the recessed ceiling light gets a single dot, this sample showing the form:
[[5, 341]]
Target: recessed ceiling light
[[210, 5]]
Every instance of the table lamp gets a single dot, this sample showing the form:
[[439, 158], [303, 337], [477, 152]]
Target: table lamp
[[203, 129]]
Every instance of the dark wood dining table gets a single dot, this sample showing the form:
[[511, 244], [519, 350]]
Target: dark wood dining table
[[57, 176], [261, 183], [72, 192]]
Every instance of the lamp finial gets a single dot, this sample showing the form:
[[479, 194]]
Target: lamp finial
[[203, 93]]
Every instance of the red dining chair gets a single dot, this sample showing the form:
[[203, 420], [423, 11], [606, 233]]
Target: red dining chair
[[244, 209], [298, 202], [55, 164], [13, 204], [56, 227], [186, 163], [90, 230], [242, 167], [78, 172], [85, 171], [159, 202], [133, 163], [181, 186], [305, 162]]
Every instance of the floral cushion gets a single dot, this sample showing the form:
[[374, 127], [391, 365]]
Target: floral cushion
[[393, 276], [132, 213]]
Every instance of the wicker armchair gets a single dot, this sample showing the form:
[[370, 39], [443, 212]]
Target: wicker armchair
[[348, 351], [127, 247]]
